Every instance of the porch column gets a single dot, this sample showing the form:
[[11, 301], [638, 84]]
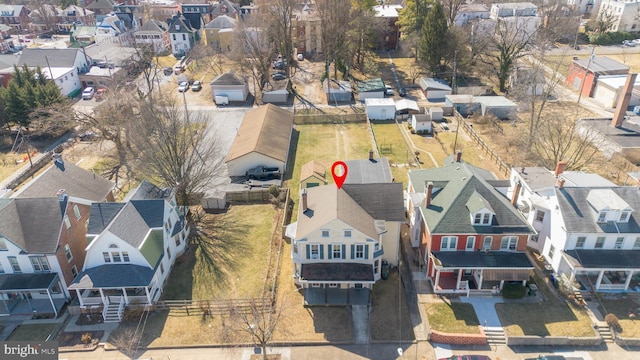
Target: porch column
[[600, 275], [53, 305], [480, 281], [78, 291], [146, 290], [501, 284], [435, 287], [626, 283], [104, 300], [126, 298], [460, 271], [572, 277]]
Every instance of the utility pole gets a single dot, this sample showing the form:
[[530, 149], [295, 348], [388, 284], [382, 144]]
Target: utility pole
[[49, 66], [586, 75], [454, 82]]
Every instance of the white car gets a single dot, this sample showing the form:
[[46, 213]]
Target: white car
[[183, 86], [88, 92], [300, 57], [388, 90]]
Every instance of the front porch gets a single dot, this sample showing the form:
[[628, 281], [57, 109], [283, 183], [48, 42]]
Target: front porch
[[602, 270], [36, 294]]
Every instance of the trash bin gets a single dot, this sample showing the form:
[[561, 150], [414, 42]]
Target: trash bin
[[532, 289], [384, 272]]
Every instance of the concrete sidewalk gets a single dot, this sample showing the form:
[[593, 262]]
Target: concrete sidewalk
[[485, 308]]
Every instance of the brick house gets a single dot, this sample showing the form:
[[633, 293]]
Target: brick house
[[584, 73], [16, 16]]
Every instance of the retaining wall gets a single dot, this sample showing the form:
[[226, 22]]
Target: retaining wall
[[554, 340], [459, 339]]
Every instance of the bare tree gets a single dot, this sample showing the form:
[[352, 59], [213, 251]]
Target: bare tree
[[175, 146], [563, 138], [252, 52], [603, 21], [44, 14], [334, 20], [127, 341], [503, 45], [278, 16], [451, 8], [560, 22]]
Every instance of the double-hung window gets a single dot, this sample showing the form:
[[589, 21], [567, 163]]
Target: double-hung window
[[449, 243], [359, 251], [336, 251]]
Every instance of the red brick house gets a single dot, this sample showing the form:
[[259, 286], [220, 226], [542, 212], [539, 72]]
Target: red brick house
[[469, 235], [16, 16], [584, 73], [392, 31]]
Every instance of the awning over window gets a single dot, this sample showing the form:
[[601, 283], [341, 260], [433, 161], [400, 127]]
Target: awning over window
[[506, 274]]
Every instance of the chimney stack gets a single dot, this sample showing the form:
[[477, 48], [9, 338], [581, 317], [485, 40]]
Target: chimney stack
[[458, 156], [61, 194], [623, 103], [560, 183], [560, 166], [304, 200], [516, 193], [370, 155], [428, 190]]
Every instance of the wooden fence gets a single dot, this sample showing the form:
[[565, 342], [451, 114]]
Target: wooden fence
[[504, 168], [301, 119], [211, 307], [249, 196]]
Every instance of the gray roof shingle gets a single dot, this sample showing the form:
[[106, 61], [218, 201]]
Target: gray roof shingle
[[365, 171], [33, 281], [32, 224], [481, 259], [148, 191], [337, 272], [56, 57], [606, 259], [101, 215], [381, 201], [113, 276]]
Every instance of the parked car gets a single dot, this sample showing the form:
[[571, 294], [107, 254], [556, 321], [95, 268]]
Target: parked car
[[278, 76], [87, 93], [46, 35], [196, 86], [278, 65], [300, 57], [467, 357], [178, 68], [629, 43], [402, 92], [183, 86], [550, 357], [167, 71], [263, 172], [388, 90], [101, 93]]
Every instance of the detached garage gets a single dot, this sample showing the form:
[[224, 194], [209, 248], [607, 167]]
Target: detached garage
[[609, 89], [276, 92], [434, 89], [262, 139], [380, 109], [231, 86]]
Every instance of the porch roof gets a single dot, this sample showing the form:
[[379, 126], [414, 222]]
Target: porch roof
[[337, 272], [113, 276], [603, 259], [481, 259], [33, 281]]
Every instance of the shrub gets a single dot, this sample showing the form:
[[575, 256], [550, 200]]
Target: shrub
[[132, 313], [514, 291], [612, 321], [609, 38], [86, 338], [273, 190]]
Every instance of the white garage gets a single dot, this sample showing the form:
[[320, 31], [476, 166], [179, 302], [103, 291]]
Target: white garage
[[380, 109], [230, 86], [434, 89], [421, 123], [262, 139], [608, 91]]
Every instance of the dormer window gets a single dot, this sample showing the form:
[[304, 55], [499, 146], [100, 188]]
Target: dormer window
[[482, 218], [624, 216], [602, 216]]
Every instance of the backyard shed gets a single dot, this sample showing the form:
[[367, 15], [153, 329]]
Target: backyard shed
[[262, 140], [338, 91], [231, 86], [380, 109], [215, 200], [498, 106], [370, 89], [464, 104], [434, 89], [312, 174], [609, 89], [276, 92], [435, 112], [421, 123]]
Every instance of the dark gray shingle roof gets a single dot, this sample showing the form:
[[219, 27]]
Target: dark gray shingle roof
[[33, 281], [151, 211], [56, 57], [381, 201], [481, 259], [367, 171], [622, 259], [102, 214], [113, 276], [148, 191], [336, 272], [32, 224]]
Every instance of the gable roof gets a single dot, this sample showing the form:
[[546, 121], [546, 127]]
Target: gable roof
[[381, 201], [76, 182], [313, 168], [131, 226], [148, 191], [327, 203], [222, 22], [265, 130], [184, 26], [228, 78], [427, 83], [56, 57], [224, 4], [153, 26], [370, 85], [454, 185], [195, 20], [580, 217], [32, 224], [365, 171], [101, 4], [101, 215]]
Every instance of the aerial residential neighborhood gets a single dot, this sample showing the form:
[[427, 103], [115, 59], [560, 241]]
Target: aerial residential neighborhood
[[320, 179]]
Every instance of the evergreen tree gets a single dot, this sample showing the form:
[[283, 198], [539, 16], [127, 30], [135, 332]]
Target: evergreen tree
[[433, 40], [15, 107]]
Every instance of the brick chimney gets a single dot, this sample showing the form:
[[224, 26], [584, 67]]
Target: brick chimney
[[516, 193], [458, 156], [623, 103], [304, 200], [428, 190], [560, 183], [560, 166]]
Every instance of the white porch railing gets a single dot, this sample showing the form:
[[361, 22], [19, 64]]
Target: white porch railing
[[121, 308], [91, 300], [105, 308]]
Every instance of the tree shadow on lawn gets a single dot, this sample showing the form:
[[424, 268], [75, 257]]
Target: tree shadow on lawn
[[293, 149], [217, 242], [138, 333]]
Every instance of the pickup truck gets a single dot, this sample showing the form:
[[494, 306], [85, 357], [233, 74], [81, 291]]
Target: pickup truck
[[263, 172]]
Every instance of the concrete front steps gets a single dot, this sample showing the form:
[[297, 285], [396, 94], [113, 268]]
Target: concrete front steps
[[604, 330], [495, 335], [112, 314]]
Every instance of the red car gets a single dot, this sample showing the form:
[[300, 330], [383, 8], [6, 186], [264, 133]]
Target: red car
[[467, 357]]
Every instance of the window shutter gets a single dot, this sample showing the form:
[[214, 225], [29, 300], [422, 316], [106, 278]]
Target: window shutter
[[344, 251], [308, 251], [330, 251], [321, 252], [353, 251], [366, 252]]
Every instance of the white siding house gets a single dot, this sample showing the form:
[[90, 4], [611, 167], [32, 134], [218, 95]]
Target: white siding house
[[380, 109]]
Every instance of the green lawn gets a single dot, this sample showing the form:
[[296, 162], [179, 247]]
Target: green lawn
[[452, 317], [389, 320], [623, 308], [327, 143], [39, 332], [232, 263]]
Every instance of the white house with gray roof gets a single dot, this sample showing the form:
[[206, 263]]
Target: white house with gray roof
[[132, 246]]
